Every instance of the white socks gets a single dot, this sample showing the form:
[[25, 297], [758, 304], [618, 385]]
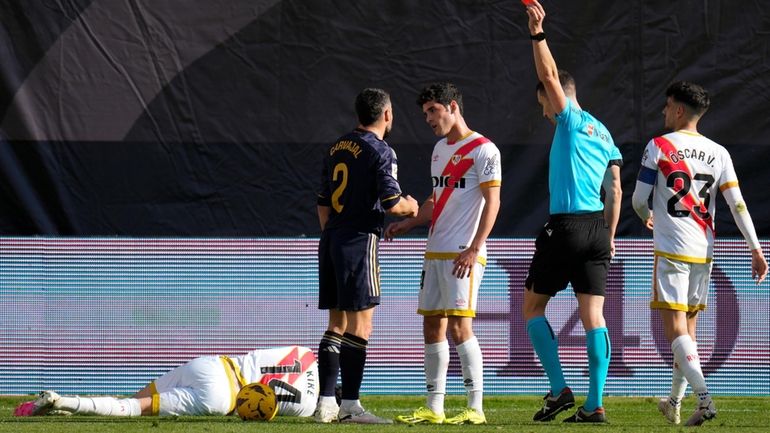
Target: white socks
[[678, 384], [436, 366], [105, 406], [473, 372], [326, 400], [686, 355]]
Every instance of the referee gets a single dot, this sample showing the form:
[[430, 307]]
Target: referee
[[577, 243]]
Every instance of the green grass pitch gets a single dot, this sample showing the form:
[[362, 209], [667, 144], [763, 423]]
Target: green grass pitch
[[504, 413]]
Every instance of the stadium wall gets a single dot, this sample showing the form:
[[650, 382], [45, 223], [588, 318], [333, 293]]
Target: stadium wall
[[107, 315], [176, 118]]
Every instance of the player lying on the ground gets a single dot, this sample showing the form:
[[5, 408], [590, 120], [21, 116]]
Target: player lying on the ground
[[206, 385]]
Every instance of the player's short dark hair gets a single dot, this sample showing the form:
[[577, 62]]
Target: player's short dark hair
[[443, 93], [370, 104], [566, 81], [695, 97]]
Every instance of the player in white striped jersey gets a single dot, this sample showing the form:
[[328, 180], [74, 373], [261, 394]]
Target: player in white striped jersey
[[684, 170], [466, 175], [457, 216], [206, 385]]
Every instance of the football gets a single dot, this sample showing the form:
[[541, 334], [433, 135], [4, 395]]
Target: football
[[256, 402]]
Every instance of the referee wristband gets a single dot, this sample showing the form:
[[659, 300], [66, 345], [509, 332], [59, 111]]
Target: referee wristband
[[538, 36]]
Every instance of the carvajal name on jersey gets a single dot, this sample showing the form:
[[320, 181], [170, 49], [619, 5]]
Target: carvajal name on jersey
[[692, 154], [348, 145]]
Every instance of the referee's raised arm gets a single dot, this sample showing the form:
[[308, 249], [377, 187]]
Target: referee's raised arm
[[545, 65]]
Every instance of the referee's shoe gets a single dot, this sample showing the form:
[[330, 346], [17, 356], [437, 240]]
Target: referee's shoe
[[555, 404]]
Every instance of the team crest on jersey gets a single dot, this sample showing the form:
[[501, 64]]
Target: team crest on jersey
[[590, 129], [456, 159]]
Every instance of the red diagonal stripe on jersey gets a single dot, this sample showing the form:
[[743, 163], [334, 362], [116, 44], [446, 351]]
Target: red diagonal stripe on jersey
[[456, 172], [291, 359], [690, 201]]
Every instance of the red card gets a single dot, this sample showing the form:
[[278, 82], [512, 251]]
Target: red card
[[527, 2]]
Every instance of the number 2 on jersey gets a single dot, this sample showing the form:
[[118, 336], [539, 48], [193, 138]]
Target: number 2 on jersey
[[340, 171], [681, 189]]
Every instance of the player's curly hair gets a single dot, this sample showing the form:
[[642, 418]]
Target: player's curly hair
[[443, 93], [693, 96], [370, 104]]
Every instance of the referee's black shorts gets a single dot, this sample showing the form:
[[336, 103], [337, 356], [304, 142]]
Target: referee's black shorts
[[571, 248], [348, 270]]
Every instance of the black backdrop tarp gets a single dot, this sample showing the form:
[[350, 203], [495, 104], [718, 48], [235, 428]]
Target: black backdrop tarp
[[204, 118]]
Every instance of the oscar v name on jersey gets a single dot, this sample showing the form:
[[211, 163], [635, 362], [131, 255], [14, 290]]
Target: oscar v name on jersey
[[691, 154]]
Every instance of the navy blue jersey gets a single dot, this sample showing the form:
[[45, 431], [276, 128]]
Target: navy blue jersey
[[358, 182]]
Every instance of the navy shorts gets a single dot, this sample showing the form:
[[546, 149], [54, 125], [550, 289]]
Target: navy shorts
[[348, 270], [571, 248]]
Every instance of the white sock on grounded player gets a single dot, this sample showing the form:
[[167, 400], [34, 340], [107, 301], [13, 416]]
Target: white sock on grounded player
[[473, 372], [105, 406], [436, 367], [686, 355]]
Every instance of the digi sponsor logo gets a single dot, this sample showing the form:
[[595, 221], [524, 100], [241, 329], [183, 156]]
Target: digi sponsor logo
[[448, 182]]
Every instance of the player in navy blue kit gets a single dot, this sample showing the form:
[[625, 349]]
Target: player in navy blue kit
[[358, 186]]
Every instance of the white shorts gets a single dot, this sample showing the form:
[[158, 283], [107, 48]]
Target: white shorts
[[443, 294], [680, 286], [200, 387]]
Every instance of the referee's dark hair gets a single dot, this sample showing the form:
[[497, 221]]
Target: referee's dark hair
[[443, 93], [370, 104], [695, 97], [566, 81]]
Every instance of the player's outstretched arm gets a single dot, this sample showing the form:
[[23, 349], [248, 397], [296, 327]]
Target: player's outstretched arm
[[545, 65], [423, 217], [407, 206]]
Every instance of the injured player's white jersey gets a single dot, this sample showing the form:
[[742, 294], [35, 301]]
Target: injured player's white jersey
[[291, 371]]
